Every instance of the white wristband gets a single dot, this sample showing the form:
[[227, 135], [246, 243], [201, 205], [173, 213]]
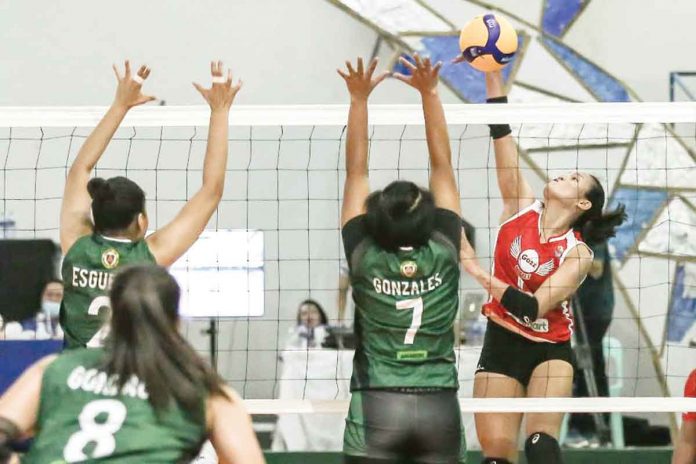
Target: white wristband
[[219, 79], [137, 79]]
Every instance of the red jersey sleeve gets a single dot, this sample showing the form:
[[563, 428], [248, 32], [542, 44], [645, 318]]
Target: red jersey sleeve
[[690, 391]]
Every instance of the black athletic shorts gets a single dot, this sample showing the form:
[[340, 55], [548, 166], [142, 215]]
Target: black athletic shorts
[[394, 427], [505, 352]]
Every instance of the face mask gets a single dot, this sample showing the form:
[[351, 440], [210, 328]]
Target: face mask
[[51, 308]]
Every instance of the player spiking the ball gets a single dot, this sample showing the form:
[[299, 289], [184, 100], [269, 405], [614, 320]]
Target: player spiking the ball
[[540, 260]]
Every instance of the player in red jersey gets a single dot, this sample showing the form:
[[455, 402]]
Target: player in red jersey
[[685, 448], [540, 260]]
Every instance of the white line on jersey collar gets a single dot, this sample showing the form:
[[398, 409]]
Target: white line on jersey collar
[[114, 239]]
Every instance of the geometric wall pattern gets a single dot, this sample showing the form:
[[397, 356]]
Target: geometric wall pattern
[[650, 173]]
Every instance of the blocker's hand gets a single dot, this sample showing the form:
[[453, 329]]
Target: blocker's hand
[[129, 90], [424, 76], [221, 94], [361, 82]]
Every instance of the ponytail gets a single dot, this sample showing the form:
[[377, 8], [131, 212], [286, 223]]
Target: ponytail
[[595, 225], [600, 228], [144, 342]]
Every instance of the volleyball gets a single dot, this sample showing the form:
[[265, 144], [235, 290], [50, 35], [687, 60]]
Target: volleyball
[[488, 42]]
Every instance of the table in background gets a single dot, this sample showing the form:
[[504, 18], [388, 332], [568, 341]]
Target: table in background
[[325, 375]]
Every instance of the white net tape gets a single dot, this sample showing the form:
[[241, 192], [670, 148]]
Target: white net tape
[[336, 115], [471, 405]]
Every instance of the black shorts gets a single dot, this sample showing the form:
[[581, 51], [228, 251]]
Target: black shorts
[[505, 352], [385, 426]]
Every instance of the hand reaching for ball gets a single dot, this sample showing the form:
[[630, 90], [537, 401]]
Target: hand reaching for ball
[[360, 81]]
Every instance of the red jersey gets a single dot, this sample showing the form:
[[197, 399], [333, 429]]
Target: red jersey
[[521, 260], [690, 391]]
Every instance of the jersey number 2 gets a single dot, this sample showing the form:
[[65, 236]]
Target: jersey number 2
[[100, 433], [97, 340], [416, 304]]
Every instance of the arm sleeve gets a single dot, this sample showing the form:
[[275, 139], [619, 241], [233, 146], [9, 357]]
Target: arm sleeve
[[449, 224], [353, 232]]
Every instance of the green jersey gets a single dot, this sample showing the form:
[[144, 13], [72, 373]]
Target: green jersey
[[88, 270], [83, 417], [405, 306]]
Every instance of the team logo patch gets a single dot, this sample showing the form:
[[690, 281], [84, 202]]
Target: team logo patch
[[559, 251], [528, 261], [110, 258], [409, 268]]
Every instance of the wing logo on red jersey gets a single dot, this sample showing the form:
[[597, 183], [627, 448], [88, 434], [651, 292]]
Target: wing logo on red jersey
[[546, 268], [516, 247], [528, 261]]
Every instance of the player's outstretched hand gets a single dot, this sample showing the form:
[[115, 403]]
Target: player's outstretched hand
[[424, 75], [361, 81], [221, 94], [129, 90]]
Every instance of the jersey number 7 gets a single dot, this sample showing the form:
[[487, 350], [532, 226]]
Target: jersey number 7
[[416, 304]]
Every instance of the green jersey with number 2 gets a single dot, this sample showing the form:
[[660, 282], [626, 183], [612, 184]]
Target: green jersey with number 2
[[84, 417], [406, 302], [88, 270]]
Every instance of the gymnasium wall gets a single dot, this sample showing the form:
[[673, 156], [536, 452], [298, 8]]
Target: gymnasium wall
[[286, 51]]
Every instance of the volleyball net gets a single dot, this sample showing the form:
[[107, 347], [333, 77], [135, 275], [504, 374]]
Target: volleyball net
[[275, 239]]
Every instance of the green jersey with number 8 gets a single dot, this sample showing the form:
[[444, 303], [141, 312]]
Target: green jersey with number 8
[[88, 270], [84, 417], [405, 306]]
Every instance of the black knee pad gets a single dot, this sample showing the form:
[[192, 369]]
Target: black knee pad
[[495, 461], [542, 448]]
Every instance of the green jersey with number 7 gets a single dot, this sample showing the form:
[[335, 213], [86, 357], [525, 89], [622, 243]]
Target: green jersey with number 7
[[84, 417], [406, 302], [88, 270]]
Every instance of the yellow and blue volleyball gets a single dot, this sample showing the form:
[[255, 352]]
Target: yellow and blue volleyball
[[488, 42]]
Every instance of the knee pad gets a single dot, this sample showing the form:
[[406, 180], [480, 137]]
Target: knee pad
[[542, 448], [495, 461]]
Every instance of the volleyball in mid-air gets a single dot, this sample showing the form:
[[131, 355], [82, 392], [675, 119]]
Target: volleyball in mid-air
[[488, 42]]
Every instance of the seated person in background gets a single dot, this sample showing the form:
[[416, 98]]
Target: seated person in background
[[44, 324], [310, 330]]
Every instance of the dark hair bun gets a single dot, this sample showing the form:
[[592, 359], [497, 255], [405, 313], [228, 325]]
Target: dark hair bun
[[99, 189], [116, 203], [399, 198]]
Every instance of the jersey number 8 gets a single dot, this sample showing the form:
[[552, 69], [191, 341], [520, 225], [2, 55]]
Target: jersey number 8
[[100, 433]]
